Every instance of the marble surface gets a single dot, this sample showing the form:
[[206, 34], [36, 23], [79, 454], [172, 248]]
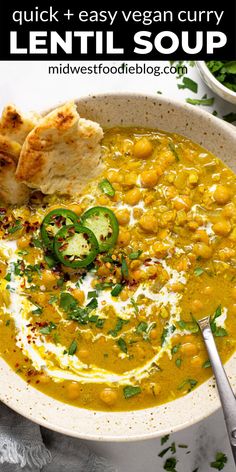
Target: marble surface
[[29, 86]]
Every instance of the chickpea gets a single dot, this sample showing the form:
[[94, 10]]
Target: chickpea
[[83, 353], [114, 176], [222, 227], [221, 194], [103, 200], [108, 396], [79, 295], [202, 250], [133, 196], [196, 305], [138, 275], [143, 148], [149, 178], [208, 290], [153, 334], [182, 203], [189, 349], [124, 237], [76, 208], [73, 390], [229, 210], [23, 242], [124, 295], [148, 222], [201, 235], [48, 279], [130, 179], [197, 362], [123, 217]]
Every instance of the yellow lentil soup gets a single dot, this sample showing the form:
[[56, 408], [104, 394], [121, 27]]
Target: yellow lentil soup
[[121, 333]]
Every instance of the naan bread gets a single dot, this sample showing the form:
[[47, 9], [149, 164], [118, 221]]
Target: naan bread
[[61, 153], [14, 125], [13, 130]]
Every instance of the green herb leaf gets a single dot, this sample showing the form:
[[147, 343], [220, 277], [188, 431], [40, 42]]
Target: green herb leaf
[[8, 277], [7, 322], [175, 348], [15, 228], [130, 391], [170, 464], [106, 187], [189, 84], [135, 255], [178, 362], [119, 325], [104, 285], [142, 327], [204, 101], [220, 461], [191, 382], [174, 151], [117, 290], [52, 299], [230, 117], [67, 301], [218, 331], [122, 345], [167, 331], [73, 348], [190, 326], [198, 271], [206, 364], [164, 439], [133, 302], [48, 329], [124, 267], [50, 260], [92, 294]]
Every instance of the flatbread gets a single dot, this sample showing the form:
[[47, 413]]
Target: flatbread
[[61, 153], [14, 125], [11, 191]]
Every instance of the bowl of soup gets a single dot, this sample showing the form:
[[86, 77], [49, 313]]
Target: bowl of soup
[[99, 333]]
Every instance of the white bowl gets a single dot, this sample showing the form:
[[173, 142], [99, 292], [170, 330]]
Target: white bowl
[[214, 84], [155, 112]]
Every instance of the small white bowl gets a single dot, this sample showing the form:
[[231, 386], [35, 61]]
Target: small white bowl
[[214, 84]]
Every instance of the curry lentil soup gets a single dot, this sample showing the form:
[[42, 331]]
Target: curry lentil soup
[[121, 333]]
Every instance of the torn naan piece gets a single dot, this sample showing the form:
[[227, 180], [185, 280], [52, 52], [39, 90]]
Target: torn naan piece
[[62, 153], [11, 191], [15, 126]]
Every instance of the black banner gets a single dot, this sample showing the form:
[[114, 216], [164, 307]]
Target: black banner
[[47, 30]]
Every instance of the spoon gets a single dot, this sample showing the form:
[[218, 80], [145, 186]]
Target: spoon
[[228, 400]]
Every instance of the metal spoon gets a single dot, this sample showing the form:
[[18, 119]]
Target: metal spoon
[[228, 400]]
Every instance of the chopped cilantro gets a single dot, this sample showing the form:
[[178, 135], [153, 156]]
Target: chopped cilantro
[[48, 329], [189, 84], [170, 464], [220, 461], [204, 101], [198, 271], [7, 322], [92, 294], [175, 348], [164, 439], [135, 255], [37, 243], [133, 302], [174, 151], [103, 285], [206, 364], [178, 362], [8, 277], [130, 391], [73, 348], [191, 326], [122, 345], [17, 226], [166, 332], [124, 268], [230, 117], [218, 331], [142, 327], [119, 325], [67, 301], [191, 382], [52, 299], [50, 260], [117, 290]]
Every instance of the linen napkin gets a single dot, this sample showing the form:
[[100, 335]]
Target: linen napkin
[[25, 447]]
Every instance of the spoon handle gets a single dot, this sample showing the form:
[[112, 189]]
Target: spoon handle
[[228, 400]]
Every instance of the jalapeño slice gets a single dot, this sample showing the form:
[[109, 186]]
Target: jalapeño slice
[[103, 224], [53, 222], [75, 246]]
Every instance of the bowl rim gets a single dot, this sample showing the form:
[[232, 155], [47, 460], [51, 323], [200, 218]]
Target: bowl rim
[[204, 69], [213, 406]]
